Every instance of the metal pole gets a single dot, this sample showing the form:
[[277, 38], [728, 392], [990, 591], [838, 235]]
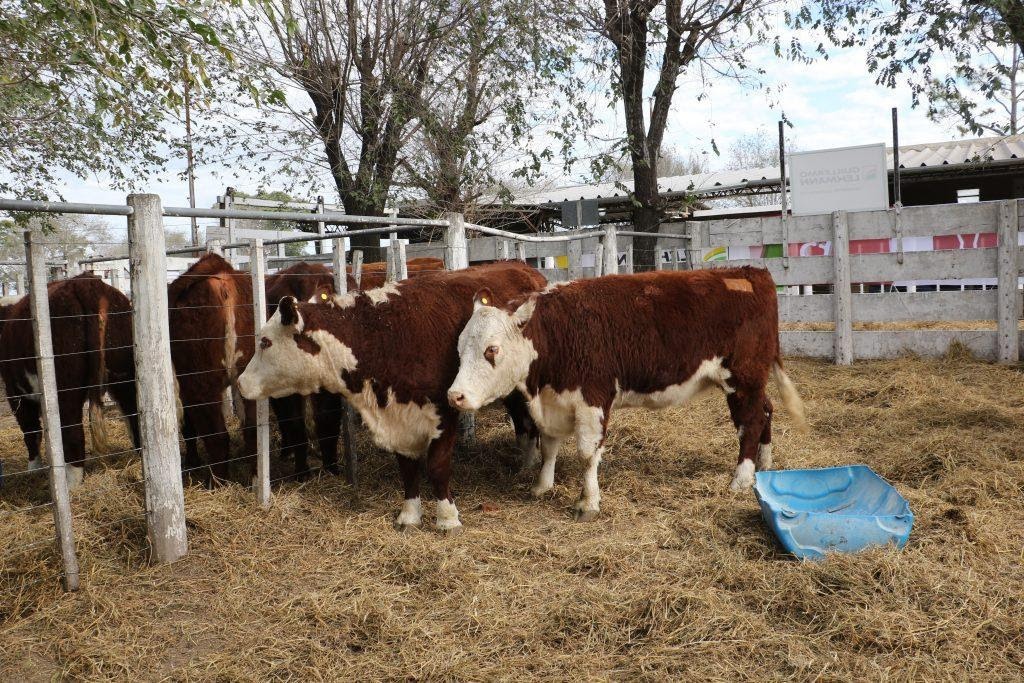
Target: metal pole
[[40, 305], [320, 226], [154, 380], [259, 311], [896, 189], [190, 158], [782, 193], [347, 423]]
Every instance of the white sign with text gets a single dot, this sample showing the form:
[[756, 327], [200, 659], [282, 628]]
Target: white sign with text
[[844, 179]]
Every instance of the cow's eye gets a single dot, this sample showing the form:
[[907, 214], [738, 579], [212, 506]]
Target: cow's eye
[[490, 353], [265, 343]]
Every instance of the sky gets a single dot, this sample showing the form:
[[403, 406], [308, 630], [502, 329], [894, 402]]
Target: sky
[[831, 103]]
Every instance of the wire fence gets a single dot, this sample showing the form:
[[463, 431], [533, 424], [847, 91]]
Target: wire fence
[[87, 354]]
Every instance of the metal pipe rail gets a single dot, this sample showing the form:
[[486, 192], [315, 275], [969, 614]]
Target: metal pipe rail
[[658, 235], [387, 228], [547, 237], [64, 207], [297, 216]]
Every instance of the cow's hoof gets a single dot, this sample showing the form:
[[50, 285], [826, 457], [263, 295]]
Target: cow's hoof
[[450, 530], [585, 515], [743, 480], [538, 492], [405, 528]]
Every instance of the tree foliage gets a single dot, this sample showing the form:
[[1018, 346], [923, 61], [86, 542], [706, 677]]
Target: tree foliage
[[938, 48], [86, 86]]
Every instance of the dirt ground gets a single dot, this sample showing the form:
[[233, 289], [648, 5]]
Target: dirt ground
[[678, 580]]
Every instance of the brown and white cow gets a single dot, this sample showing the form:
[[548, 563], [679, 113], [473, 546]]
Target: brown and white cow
[[652, 340], [92, 345], [391, 352], [374, 274]]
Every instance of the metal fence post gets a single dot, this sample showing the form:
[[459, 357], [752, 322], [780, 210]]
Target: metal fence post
[[1008, 314], [35, 264], [154, 377], [841, 295], [257, 268], [347, 423], [456, 247], [611, 250]]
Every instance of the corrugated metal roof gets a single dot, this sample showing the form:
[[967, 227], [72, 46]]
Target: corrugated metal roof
[[950, 153]]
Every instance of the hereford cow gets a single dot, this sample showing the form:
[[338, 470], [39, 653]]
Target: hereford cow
[[391, 352], [92, 345], [651, 340], [211, 323]]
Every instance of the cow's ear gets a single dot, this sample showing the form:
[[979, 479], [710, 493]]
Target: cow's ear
[[524, 312], [289, 309], [483, 298]]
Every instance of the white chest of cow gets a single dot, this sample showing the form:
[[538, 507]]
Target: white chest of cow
[[405, 428]]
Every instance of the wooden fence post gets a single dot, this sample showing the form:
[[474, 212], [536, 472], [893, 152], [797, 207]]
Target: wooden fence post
[[574, 251], [347, 425], [391, 260], [695, 248], [401, 262], [599, 260], [456, 247], [257, 269], [215, 247], [357, 267], [611, 250], [1008, 268], [154, 378], [501, 249], [521, 251], [841, 296], [35, 264], [628, 267]]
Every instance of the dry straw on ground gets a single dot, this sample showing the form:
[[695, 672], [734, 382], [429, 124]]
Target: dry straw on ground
[[677, 580]]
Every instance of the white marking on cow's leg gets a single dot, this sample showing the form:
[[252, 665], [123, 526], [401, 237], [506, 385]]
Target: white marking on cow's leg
[[764, 456], [448, 517], [549, 447], [75, 476], [744, 477], [411, 514], [36, 464], [589, 436]]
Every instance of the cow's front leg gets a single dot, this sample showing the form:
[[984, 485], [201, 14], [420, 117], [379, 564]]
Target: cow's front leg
[[411, 513], [549, 447], [590, 427], [439, 470]]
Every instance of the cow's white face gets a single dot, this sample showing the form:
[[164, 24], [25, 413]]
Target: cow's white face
[[286, 360], [494, 356]]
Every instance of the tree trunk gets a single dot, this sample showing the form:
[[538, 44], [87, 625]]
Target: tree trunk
[[646, 217], [369, 244]]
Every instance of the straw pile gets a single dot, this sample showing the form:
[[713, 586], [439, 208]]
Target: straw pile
[[678, 579]]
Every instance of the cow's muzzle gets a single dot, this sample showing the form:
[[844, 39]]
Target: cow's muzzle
[[457, 400]]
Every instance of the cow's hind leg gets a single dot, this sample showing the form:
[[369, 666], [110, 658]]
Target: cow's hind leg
[[549, 447], [764, 447], [590, 428], [747, 407], [26, 411], [439, 471], [411, 513]]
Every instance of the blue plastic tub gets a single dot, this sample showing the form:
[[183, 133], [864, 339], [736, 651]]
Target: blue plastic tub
[[841, 509]]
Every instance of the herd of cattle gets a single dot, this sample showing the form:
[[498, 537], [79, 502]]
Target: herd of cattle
[[409, 356]]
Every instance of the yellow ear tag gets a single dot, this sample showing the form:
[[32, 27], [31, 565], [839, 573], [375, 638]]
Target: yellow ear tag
[[483, 301], [323, 295]]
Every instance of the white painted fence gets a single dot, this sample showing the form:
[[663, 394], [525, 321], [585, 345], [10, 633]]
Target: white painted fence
[[841, 268]]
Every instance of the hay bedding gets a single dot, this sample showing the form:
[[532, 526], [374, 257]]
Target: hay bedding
[[678, 579]]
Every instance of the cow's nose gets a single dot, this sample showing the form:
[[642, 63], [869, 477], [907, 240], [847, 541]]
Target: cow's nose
[[456, 399]]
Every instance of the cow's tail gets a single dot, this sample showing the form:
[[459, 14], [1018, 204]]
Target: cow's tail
[[96, 338], [790, 398]]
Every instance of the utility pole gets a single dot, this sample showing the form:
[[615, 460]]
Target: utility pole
[[190, 158]]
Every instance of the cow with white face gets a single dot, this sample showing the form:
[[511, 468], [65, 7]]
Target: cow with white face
[[652, 340], [391, 352]]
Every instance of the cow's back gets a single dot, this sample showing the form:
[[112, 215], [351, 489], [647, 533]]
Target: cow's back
[[373, 275]]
